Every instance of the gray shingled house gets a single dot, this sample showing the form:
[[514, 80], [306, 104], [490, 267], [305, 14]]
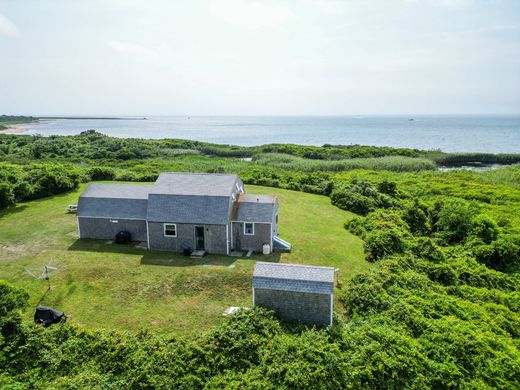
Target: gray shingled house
[[296, 292], [207, 212]]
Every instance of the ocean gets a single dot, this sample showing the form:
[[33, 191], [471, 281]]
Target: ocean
[[493, 134]]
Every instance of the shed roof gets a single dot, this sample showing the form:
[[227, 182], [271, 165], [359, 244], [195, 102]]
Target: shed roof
[[206, 184], [294, 277], [254, 208]]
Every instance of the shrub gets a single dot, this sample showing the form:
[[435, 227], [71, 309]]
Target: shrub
[[415, 214], [485, 228], [101, 173], [424, 248], [453, 219], [507, 253], [366, 294], [360, 197], [356, 226], [7, 198], [352, 201], [382, 243], [385, 219], [388, 187]]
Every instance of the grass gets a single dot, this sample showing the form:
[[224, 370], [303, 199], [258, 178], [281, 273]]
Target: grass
[[391, 163], [102, 285]]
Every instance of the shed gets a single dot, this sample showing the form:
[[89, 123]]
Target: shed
[[296, 292]]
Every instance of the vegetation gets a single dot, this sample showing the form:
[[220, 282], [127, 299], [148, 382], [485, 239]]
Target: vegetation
[[435, 306], [33, 181], [477, 158], [392, 163]]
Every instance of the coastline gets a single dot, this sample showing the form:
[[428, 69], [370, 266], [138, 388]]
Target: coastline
[[17, 127]]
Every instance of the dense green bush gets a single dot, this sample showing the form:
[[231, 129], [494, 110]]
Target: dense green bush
[[101, 173], [425, 248], [34, 181], [360, 197], [382, 243], [484, 228], [432, 325], [416, 215], [7, 198], [506, 253], [452, 219]]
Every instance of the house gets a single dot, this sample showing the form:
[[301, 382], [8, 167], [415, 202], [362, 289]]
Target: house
[[300, 293], [209, 212]]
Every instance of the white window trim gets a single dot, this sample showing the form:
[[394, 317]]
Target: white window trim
[[249, 234], [169, 235]]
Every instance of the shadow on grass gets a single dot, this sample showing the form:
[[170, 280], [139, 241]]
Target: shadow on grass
[[164, 258], [13, 210], [104, 246], [172, 259]]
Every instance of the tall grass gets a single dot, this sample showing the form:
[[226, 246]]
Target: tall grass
[[391, 163], [482, 158]]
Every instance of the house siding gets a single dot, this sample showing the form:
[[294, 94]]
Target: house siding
[[275, 224], [214, 237], [255, 242], [307, 308], [103, 229]]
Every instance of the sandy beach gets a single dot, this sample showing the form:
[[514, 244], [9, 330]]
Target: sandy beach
[[15, 129]]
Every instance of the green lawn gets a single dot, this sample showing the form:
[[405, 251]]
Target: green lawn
[[112, 286]]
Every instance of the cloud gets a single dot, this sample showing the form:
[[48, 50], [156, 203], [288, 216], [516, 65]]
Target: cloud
[[7, 27], [447, 3], [329, 7], [133, 49], [249, 14], [451, 3]]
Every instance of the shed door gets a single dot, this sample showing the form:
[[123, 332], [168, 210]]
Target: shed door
[[199, 238]]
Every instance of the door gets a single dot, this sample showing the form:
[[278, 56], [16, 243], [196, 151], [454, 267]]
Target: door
[[199, 237]]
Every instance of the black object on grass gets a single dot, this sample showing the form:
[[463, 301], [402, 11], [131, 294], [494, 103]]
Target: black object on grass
[[47, 316]]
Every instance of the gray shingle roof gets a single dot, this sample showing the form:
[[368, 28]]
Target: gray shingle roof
[[112, 208], [117, 201], [255, 208], [120, 191], [294, 277], [188, 209], [208, 184]]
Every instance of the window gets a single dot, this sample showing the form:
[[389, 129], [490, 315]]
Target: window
[[170, 230], [276, 218], [249, 229]]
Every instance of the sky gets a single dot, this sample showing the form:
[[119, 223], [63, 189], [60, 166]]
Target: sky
[[259, 57]]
